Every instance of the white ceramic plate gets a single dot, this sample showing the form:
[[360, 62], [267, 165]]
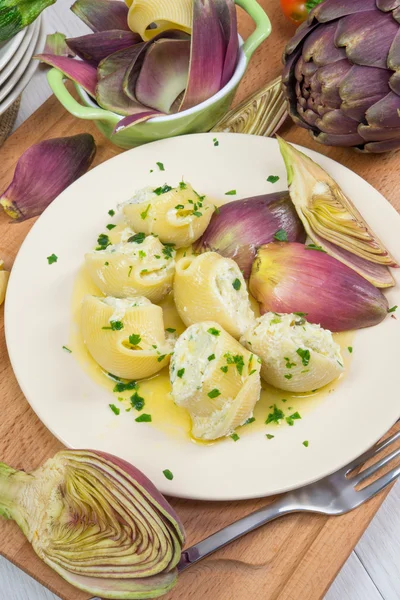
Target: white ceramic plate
[[75, 409], [14, 78], [27, 75], [9, 48], [16, 59]]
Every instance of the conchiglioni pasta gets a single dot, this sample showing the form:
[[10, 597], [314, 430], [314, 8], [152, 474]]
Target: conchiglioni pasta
[[126, 336], [215, 379], [136, 265], [178, 216], [296, 355], [210, 286]]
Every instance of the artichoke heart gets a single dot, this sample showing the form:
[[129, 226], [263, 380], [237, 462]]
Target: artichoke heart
[[332, 221], [296, 356], [215, 379]]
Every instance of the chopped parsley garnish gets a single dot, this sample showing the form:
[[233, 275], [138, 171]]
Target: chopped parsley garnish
[[103, 241], [138, 238], [168, 474], [224, 369], [135, 339], [393, 309], [161, 358], [300, 314], [276, 416], [130, 270], [214, 393], [67, 349], [157, 256], [143, 418], [213, 331], [179, 206], [52, 259], [269, 436], [231, 193], [250, 420], [160, 166], [211, 357], [181, 373], [115, 326], [350, 349], [182, 185], [315, 247], [168, 251], [304, 355], [273, 178], [137, 402], [235, 437], [162, 189], [111, 212], [305, 443], [106, 263], [216, 142], [197, 213], [145, 212], [237, 284], [281, 235], [275, 321], [290, 420], [235, 360], [253, 371], [289, 364], [115, 409], [124, 386], [216, 210], [288, 376], [142, 254], [110, 226], [170, 330]]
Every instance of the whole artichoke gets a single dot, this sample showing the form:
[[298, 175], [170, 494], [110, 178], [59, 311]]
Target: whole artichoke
[[342, 74]]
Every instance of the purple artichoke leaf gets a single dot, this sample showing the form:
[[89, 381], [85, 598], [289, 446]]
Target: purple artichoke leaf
[[111, 96], [102, 15], [83, 73], [95, 47], [380, 147], [301, 33], [121, 59], [164, 74], [226, 12], [207, 55], [138, 117], [335, 121], [387, 5], [396, 14], [384, 113], [320, 46], [394, 83], [379, 134], [367, 37], [56, 44], [335, 9]]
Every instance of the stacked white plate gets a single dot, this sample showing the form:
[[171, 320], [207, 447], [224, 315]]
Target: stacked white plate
[[16, 64]]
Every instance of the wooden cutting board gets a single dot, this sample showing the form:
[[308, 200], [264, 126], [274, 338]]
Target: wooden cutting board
[[295, 558]]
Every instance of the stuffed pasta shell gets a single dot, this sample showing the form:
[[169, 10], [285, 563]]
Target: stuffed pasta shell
[[296, 355], [210, 286], [125, 336], [178, 215], [215, 379], [135, 266]]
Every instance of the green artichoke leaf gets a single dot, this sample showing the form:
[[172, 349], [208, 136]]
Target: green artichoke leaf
[[17, 14]]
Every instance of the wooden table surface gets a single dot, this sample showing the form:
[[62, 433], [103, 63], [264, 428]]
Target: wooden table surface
[[372, 571]]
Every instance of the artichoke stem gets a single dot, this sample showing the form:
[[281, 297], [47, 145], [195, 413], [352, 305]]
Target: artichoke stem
[[12, 483]]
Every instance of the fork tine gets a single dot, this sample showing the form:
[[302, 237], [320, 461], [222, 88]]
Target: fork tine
[[375, 467], [371, 453], [377, 486]]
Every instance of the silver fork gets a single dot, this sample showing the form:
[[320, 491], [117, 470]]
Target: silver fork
[[334, 495]]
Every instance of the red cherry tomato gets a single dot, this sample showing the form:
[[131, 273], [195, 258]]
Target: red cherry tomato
[[295, 10]]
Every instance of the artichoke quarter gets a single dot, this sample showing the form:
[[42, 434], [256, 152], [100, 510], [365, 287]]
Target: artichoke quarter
[[342, 74]]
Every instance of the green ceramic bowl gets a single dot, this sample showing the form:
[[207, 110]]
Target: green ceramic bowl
[[198, 119]]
